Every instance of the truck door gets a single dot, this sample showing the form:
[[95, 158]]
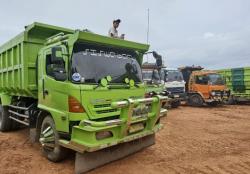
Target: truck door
[[52, 93], [201, 85]]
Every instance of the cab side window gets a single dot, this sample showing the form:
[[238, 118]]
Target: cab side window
[[55, 69], [202, 80], [49, 65]]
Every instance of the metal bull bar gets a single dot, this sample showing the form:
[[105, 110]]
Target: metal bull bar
[[89, 158], [127, 107]]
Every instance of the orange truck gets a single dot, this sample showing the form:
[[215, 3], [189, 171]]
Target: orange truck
[[204, 86]]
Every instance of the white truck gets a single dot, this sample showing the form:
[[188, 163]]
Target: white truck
[[174, 84]]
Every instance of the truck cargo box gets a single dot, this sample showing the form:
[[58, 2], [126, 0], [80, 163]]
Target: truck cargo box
[[238, 81], [18, 59]]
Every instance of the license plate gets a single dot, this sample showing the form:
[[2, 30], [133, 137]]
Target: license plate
[[176, 96], [136, 127]]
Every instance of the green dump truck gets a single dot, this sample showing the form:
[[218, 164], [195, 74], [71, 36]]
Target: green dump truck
[[238, 81], [77, 90]]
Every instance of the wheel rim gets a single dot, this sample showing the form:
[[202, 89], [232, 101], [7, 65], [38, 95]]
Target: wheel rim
[[196, 100], [47, 138], [1, 118]]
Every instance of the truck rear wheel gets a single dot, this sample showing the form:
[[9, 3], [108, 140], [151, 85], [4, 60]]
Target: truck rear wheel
[[195, 100], [49, 138], [175, 104], [231, 101], [5, 121]]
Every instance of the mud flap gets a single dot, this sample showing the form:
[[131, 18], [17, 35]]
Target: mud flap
[[91, 160]]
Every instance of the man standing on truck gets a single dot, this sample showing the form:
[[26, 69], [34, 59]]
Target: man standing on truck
[[113, 32]]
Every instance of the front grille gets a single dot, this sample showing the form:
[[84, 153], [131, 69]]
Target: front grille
[[102, 105], [106, 111], [175, 90], [218, 93]]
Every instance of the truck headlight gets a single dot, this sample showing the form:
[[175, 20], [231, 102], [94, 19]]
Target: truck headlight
[[213, 93], [140, 111], [103, 134]]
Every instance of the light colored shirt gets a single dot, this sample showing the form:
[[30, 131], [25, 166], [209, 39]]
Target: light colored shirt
[[113, 32]]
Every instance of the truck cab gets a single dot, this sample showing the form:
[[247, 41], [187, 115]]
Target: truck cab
[[174, 85], [99, 79], [204, 86]]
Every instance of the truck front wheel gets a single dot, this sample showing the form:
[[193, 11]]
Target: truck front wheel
[[49, 138], [195, 100], [175, 104], [213, 104], [5, 121]]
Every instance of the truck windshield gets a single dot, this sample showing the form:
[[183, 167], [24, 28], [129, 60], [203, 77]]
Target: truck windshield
[[215, 79], [151, 76], [87, 67], [172, 75], [147, 75]]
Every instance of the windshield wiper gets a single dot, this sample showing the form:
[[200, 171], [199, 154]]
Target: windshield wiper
[[97, 86], [119, 87]]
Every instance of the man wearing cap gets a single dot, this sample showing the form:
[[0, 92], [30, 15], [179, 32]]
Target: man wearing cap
[[113, 30]]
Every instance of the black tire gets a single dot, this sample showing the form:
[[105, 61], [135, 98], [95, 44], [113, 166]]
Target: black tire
[[50, 147], [175, 104], [195, 100], [5, 121], [213, 104], [15, 125], [231, 101]]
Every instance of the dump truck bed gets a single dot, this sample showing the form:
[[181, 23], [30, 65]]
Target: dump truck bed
[[237, 80], [18, 59]]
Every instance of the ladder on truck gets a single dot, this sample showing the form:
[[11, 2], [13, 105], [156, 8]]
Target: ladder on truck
[[22, 114]]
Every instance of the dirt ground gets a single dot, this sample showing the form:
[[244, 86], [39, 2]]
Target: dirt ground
[[194, 140]]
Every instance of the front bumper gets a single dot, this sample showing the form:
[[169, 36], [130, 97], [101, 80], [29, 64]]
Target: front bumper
[[177, 96], [217, 98], [126, 128]]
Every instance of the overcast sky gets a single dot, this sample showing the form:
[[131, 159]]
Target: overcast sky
[[211, 33]]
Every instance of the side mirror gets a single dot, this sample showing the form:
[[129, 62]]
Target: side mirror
[[155, 75], [166, 76], [159, 62], [134, 68], [156, 55], [158, 58], [56, 55]]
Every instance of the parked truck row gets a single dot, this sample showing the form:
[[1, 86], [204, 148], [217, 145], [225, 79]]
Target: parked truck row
[[77, 90], [191, 84]]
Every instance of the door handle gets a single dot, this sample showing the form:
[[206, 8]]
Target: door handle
[[46, 92]]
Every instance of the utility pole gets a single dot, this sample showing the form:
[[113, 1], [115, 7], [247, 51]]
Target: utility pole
[[148, 32], [148, 28]]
